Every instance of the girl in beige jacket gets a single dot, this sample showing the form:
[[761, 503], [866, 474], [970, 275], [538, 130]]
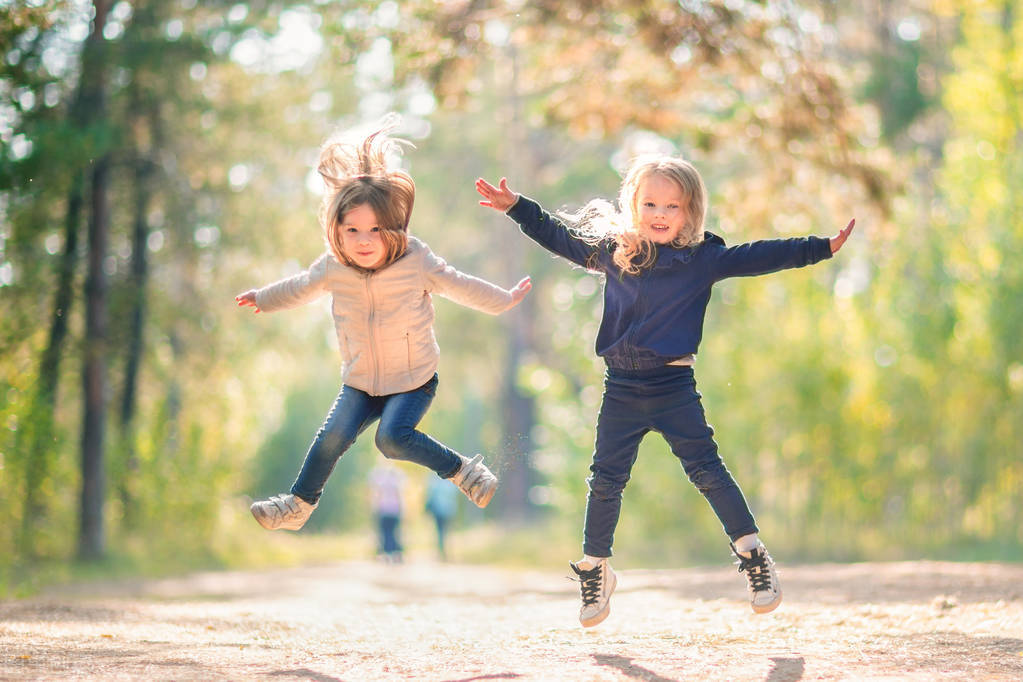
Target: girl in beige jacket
[[381, 281]]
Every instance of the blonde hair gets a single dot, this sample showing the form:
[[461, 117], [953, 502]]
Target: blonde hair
[[355, 173], [599, 220]]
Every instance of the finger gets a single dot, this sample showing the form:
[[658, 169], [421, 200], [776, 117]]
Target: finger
[[504, 184]]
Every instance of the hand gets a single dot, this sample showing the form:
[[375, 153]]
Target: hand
[[247, 299], [839, 239], [498, 198], [520, 291]]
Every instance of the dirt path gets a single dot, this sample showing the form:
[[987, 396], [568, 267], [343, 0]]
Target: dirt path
[[424, 621]]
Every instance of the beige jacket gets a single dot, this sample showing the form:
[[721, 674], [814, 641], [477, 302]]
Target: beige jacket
[[384, 319]]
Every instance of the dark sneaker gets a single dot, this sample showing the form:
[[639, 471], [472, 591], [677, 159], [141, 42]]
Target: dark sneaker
[[283, 512], [596, 584], [475, 480], [764, 588]]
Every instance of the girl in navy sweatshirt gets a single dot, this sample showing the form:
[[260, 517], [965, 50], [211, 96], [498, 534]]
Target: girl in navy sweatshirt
[[658, 266]]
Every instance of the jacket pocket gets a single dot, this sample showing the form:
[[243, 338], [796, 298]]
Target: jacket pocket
[[408, 356]]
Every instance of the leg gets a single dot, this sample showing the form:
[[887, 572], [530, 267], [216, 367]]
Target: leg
[[398, 438], [352, 412], [442, 526], [381, 535], [389, 527], [621, 426], [619, 431], [684, 425]]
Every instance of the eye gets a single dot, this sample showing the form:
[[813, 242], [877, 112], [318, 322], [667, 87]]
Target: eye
[[648, 204], [375, 229]]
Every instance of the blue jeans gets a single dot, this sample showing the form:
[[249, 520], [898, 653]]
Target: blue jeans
[[397, 437], [663, 400]]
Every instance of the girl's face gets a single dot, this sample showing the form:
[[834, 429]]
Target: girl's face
[[660, 208], [360, 237]]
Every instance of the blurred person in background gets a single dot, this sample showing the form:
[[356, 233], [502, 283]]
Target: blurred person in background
[[441, 503]]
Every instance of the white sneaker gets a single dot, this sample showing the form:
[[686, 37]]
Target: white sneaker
[[596, 583], [283, 512], [475, 480], [764, 588]]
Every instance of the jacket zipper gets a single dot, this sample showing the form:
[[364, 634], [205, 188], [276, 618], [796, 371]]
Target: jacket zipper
[[408, 350], [372, 336]]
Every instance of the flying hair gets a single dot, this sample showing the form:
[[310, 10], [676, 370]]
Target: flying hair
[[600, 221], [355, 172]]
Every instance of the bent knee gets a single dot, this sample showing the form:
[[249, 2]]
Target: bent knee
[[605, 488], [711, 477], [393, 442]]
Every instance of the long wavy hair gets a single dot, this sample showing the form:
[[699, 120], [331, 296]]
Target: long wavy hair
[[600, 221], [355, 173]]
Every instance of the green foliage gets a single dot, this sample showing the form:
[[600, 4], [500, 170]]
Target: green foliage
[[870, 406]]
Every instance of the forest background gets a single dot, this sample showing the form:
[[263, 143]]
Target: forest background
[[157, 158]]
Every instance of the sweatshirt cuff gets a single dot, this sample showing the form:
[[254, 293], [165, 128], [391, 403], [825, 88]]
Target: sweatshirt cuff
[[822, 248], [520, 208], [510, 208]]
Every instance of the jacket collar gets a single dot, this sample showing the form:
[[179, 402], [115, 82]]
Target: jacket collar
[[667, 255]]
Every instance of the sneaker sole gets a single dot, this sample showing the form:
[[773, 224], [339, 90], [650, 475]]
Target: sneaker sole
[[487, 497], [267, 523], [767, 608], [606, 611], [264, 522]]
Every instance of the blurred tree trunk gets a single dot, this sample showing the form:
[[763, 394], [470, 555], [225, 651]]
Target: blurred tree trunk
[[39, 446], [518, 413], [39, 443], [91, 539], [145, 170], [136, 325]]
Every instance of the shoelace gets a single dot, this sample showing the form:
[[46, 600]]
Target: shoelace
[[589, 584], [757, 570]]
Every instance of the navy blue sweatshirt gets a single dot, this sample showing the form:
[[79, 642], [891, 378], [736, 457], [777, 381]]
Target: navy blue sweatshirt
[[656, 316]]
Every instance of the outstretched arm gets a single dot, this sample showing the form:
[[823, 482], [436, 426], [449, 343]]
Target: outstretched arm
[[535, 223], [290, 292], [839, 239], [247, 299], [499, 198], [467, 290]]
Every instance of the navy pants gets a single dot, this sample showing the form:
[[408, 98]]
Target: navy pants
[[387, 525], [663, 400], [397, 437]]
